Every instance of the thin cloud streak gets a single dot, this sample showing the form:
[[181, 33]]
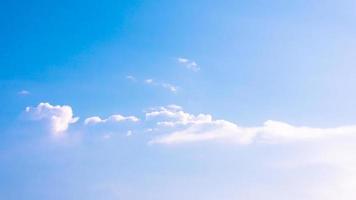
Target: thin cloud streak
[[189, 64]]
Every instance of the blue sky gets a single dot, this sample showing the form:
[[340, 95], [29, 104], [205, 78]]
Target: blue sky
[[177, 99]]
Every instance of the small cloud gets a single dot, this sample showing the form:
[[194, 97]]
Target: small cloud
[[149, 81], [93, 120], [131, 78], [23, 93], [148, 130], [113, 118], [128, 133], [168, 86], [189, 64], [183, 60], [107, 136]]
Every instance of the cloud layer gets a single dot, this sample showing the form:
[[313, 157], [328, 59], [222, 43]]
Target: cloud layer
[[183, 127], [172, 125], [311, 154]]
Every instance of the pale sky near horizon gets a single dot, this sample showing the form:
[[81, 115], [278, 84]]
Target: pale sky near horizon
[[180, 100]]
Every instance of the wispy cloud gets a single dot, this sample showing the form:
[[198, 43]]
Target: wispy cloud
[[128, 133], [131, 78], [170, 87], [189, 64], [24, 92], [167, 86], [149, 81]]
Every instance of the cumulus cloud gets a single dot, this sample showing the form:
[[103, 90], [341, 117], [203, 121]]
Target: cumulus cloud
[[58, 118], [189, 64], [111, 119], [183, 127], [173, 115]]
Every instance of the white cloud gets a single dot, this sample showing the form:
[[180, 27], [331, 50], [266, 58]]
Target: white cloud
[[183, 127], [107, 136], [128, 133], [23, 93], [93, 120], [174, 115], [172, 125], [57, 117], [317, 165], [149, 81], [113, 119], [170, 87], [189, 64], [131, 78], [167, 86]]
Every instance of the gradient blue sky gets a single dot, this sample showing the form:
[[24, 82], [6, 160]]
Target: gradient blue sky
[[288, 61]]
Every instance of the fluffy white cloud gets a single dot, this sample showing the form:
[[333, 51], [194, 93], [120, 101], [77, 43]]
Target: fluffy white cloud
[[57, 117], [183, 127], [189, 64], [113, 118], [173, 115]]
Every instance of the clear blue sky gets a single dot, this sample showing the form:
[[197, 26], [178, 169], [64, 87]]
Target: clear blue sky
[[243, 62]]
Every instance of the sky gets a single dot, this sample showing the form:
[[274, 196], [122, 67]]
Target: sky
[[156, 100]]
